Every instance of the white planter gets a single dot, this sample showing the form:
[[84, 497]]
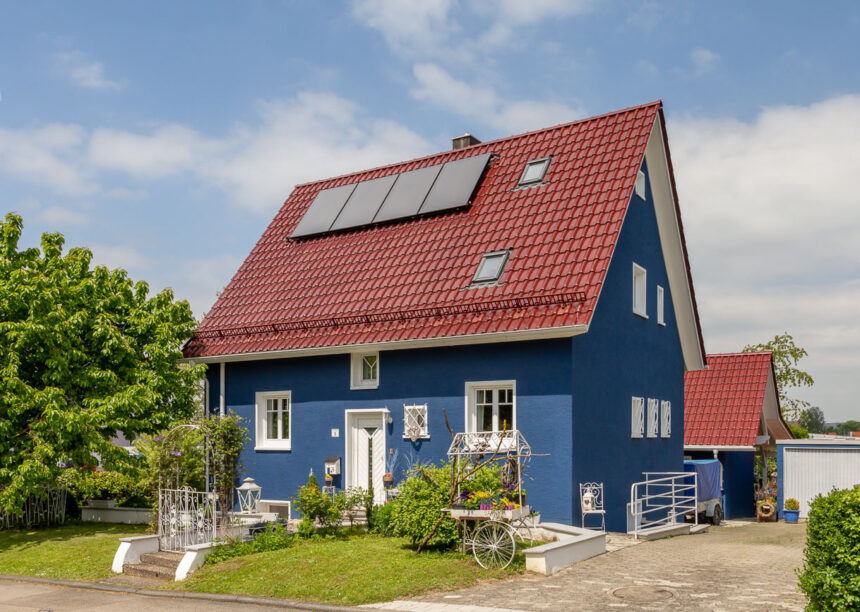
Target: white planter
[[505, 515], [101, 503]]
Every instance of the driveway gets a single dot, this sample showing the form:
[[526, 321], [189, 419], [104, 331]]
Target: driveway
[[746, 567]]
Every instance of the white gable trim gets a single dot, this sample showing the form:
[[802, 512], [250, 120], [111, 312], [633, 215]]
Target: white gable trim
[[673, 251], [510, 336]]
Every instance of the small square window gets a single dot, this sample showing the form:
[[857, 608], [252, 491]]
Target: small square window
[[639, 290], [653, 424], [364, 371], [491, 267], [415, 422], [637, 414], [661, 320], [534, 172], [666, 420], [639, 186]]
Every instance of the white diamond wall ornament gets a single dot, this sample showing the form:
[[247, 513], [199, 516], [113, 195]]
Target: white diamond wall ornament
[[249, 495]]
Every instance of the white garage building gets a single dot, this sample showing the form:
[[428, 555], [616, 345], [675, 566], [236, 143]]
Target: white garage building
[[811, 467]]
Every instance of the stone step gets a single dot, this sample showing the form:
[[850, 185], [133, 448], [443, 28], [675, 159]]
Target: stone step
[[664, 531], [166, 559], [148, 570]]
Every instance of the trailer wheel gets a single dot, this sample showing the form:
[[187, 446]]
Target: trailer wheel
[[717, 518]]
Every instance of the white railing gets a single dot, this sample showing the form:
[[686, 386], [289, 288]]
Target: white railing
[[661, 499], [186, 517]]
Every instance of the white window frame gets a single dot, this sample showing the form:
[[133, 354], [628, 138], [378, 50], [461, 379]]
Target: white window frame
[[666, 419], [637, 417], [356, 380], [653, 418], [640, 290], [661, 304], [639, 185], [262, 442], [411, 414], [487, 279], [471, 402], [544, 162]]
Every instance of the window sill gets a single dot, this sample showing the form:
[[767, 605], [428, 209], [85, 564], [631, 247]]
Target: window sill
[[661, 323], [281, 446], [424, 437], [361, 386], [640, 314]]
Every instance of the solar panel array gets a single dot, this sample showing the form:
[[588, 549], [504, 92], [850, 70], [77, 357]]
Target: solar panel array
[[397, 196]]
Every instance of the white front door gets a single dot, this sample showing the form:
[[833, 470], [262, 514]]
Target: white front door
[[366, 453]]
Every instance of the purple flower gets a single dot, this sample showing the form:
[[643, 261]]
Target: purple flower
[[158, 438], [512, 486], [175, 453], [465, 494]]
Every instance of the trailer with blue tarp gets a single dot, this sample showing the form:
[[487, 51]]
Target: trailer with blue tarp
[[708, 499]]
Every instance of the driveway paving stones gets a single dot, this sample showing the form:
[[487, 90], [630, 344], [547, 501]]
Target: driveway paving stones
[[739, 567]]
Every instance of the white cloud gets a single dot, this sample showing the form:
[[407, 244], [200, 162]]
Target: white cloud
[[704, 60], [772, 223], [82, 71], [408, 26], [48, 156], [168, 150], [311, 136], [60, 216], [482, 104], [113, 256]]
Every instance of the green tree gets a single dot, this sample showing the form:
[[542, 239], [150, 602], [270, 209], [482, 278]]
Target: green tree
[[786, 355], [812, 419], [84, 353], [843, 429]]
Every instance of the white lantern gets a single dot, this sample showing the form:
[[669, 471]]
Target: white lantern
[[249, 495], [588, 501]]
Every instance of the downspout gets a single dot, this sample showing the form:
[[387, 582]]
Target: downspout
[[222, 396]]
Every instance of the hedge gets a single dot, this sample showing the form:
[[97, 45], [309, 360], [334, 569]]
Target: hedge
[[831, 572]]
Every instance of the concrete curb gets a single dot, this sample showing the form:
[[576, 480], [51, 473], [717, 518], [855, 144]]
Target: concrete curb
[[246, 599]]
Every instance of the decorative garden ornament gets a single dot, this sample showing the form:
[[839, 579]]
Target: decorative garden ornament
[[249, 495]]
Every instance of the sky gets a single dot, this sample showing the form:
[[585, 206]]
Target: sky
[[165, 135]]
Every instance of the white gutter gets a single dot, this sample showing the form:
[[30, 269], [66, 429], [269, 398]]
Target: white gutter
[[222, 398]]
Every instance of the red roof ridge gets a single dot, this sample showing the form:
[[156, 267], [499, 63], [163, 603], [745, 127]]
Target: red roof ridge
[[740, 353], [656, 103]]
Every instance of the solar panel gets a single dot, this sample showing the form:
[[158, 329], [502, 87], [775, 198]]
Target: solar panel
[[455, 185], [408, 193], [362, 205], [323, 211]]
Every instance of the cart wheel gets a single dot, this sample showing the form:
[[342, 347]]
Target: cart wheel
[[493, 545], [718, 515]]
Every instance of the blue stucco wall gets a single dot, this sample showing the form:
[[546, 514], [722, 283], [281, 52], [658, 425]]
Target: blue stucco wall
[[321, 393], [624, 355]]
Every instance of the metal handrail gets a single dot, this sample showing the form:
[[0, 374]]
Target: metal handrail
[[674, 496]]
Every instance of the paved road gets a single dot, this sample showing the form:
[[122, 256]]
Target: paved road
[[748, 567], [24, 596]]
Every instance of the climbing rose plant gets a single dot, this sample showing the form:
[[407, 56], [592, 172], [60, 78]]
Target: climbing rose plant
[[84, 352]]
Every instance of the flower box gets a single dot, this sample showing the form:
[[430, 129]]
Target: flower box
[[508, 515]]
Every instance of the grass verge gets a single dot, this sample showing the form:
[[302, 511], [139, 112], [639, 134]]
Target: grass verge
[[349, 571], [76, 551]]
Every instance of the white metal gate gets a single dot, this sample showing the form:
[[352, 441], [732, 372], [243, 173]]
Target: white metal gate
[[186, 517], [812, 471]]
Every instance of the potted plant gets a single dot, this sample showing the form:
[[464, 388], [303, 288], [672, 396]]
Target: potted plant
[[791, 510]]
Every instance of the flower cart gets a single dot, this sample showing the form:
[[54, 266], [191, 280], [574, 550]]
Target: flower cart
[[492, 529]]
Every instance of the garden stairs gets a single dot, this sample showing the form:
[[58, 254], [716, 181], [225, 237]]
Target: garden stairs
[[157, 565]]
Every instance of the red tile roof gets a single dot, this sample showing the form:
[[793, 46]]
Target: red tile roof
[[406, 280], [723, 404]]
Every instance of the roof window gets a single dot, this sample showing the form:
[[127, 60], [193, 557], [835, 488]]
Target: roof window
[[534, 172], [491, 267]]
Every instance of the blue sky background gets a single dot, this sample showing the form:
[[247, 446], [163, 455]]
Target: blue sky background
[[165, 135]]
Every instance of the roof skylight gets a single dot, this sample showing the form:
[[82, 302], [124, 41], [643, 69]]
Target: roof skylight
[[534, 172], [491, 267]]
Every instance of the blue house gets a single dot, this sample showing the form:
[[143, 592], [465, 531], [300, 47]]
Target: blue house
[[538, 282]]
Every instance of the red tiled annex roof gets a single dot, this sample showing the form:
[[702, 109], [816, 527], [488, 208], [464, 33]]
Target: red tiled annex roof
[[407, 280], [723, 403]]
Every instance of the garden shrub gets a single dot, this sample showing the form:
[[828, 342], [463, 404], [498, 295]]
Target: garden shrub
[[417, 507], [831, 572], [275, 537], [381, 522], [306, 527], [318, 506], [84, 484]]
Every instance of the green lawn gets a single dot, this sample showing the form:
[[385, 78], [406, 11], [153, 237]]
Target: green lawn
[[78, 551], [357, 570]]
